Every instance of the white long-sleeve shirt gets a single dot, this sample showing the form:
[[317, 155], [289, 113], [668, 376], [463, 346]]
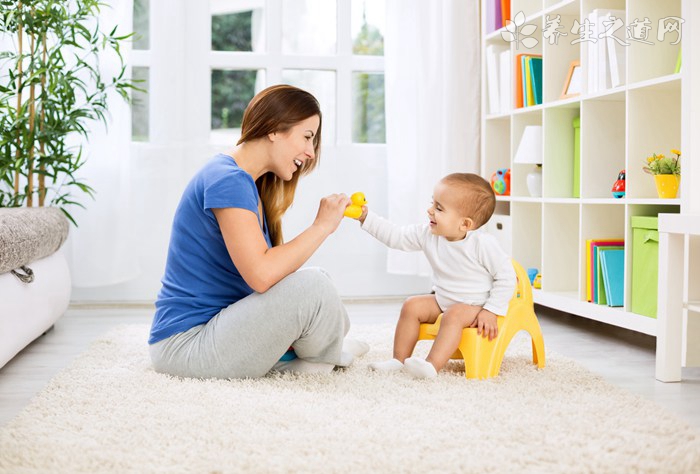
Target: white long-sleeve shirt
[[474, 270]]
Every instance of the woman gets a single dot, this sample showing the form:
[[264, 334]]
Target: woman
[[232, 301]]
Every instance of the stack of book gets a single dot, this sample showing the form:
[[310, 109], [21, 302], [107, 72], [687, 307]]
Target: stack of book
[[528, 80], [605, 271]]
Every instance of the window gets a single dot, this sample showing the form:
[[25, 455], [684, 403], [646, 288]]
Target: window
[[309, 27], [368, 108], [237, 30], [142, 17], [139, 105], [368, 20], [235, 48], [333, 49], [140, 121]]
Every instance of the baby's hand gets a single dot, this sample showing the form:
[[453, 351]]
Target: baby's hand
[[363, 215], [486, 324]]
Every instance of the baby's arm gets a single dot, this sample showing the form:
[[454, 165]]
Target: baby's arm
[[500, 266], [409, 238]]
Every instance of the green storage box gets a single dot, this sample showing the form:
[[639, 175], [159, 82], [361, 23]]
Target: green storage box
[[645, 265], [577, 157]]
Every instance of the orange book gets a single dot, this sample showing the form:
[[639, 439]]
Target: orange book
[[505, 11], [517, 67]]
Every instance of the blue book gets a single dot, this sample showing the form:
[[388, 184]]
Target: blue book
[[536, 73], [612, 262]]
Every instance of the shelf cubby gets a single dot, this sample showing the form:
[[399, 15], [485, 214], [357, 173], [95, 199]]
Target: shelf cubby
[[558, 165], [649, 57], [561, 240], [498, 135], [519, 172], [602, 144], [661, 135], [527, 244]]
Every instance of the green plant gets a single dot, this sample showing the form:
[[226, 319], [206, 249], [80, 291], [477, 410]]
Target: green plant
[[662, 164], [51, 88]]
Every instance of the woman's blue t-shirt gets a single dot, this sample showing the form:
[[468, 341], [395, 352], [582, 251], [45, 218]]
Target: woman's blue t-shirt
[[200, 278]]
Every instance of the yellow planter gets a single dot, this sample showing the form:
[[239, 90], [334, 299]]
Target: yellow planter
[[667, 185]]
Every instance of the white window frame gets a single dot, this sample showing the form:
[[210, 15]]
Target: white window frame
[[180, 61]]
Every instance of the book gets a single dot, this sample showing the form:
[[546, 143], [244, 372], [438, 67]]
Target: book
[[505, 11], [592, 56], [599, 289], [518, 80], [536, 72], [505, 100], [528, 82], [612, 262], [590, 263], [617, 57], [602, 69], [523, 85], [492, 76]]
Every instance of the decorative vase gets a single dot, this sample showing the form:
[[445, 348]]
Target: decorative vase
[[667, 185]]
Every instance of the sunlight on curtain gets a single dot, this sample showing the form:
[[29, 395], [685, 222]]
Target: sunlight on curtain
[[101, 250], [432, 76]]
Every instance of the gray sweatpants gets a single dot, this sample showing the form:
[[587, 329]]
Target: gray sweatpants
[[248, 338]]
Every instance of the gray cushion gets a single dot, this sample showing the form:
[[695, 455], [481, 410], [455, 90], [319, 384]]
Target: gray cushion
[[28, 234]]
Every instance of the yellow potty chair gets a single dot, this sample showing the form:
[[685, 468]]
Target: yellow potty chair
[[482, 358]]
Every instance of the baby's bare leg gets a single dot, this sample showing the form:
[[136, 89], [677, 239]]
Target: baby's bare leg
[[454, 320], [415, 311]]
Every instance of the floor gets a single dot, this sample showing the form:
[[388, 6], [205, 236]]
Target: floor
[[622, 357]]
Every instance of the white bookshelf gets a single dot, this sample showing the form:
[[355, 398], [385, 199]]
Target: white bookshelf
[[620, 126]]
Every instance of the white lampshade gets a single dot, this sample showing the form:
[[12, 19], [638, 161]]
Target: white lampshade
[[530, 147], [530, 152]]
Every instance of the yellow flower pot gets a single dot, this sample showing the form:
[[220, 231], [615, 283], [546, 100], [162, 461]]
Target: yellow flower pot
[[667, 185]]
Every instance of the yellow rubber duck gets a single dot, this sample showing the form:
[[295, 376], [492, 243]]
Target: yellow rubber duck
[[354, 210]]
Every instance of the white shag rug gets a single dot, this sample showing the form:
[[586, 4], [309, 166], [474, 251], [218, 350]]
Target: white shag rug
[[109, 412]]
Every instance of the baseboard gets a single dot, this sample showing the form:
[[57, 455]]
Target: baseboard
[[88, 305]]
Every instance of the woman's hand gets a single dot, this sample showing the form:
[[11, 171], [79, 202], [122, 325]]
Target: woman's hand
[[330, 212]]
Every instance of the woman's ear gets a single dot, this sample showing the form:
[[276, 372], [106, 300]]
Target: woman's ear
[[272, 136]]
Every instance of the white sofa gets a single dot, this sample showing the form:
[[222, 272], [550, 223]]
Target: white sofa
[[30, 242]]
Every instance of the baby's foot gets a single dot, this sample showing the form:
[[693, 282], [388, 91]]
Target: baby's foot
[[355, 347], [420, 368], [391, 365]]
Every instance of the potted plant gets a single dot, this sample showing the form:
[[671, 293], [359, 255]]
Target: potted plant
[[51, 87], [667, 173]]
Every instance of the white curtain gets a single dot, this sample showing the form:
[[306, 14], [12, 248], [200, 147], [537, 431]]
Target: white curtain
[[101, 250], [432, 77]]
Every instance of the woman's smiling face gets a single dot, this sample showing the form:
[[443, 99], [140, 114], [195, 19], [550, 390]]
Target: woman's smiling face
[[293, 148]]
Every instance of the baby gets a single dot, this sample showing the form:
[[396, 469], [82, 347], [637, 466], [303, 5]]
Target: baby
[[473, 278]]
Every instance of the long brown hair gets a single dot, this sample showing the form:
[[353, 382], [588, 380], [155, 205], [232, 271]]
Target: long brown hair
[[277, 109]]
